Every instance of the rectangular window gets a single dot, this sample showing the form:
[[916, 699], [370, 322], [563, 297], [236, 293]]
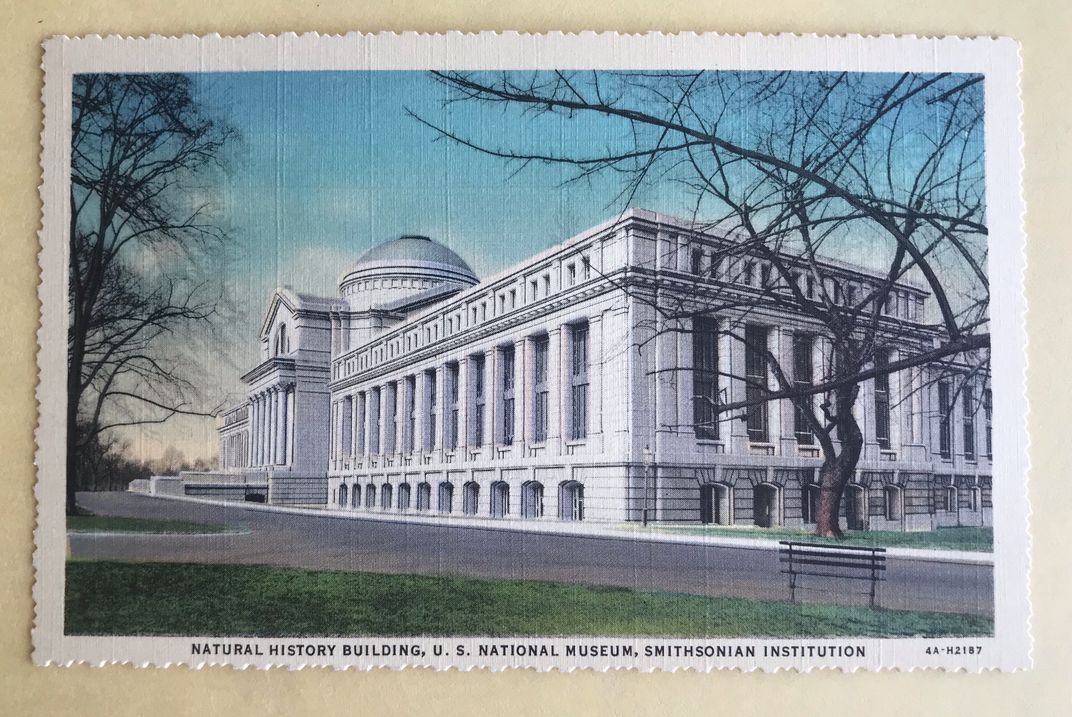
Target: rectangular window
[[410, 414], [696, 261], [755, 371], [945, 438], [988, 416], [803, 373], [579, 382], [747, 275], [508, 366], [968, 402], [705, 377], [882, 399], [571, 274], [431, 404], [479, 400], [453, 389], [541, 390], [374, 422], [392, 418]]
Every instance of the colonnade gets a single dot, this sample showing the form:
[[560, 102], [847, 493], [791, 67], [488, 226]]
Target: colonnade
[[272, 432]]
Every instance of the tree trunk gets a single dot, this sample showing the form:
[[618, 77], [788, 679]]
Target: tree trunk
[[838, 466], [74, 373]]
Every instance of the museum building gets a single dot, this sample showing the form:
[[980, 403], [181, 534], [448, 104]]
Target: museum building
[[556, 391]]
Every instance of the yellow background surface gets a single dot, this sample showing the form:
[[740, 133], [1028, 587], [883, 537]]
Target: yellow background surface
[[1044, 28]]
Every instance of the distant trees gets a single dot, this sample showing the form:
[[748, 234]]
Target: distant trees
[[794, 168], [141, 239]]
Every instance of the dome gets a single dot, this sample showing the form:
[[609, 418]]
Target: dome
[[410, 262], [410, 248]]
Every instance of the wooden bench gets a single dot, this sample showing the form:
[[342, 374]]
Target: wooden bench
[[831, 561]]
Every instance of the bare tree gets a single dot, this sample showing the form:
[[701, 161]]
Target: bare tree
[[141, 250], [794, 168]]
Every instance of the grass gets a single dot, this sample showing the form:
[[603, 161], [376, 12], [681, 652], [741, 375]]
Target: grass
[[110, 524], [126, 598], [972, 539]]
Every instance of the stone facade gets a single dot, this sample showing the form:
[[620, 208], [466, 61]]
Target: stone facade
[[538, 392]]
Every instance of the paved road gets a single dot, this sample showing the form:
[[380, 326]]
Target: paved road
[[387, 547]]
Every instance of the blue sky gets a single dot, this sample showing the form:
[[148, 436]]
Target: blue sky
[[331, 164]]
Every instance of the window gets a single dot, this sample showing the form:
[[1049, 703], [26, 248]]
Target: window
[[892, 495], [513, 298], [508, 366], [282, 341], [579, 382], [696, 261], [587, 267], [764, 274], [374, 422], [882, 399], [347, 426], [803, 373], [748, 273], [386, 494], [411, 414], [424, 496], [945, 438], [546, 284], [453, 376], [755, 371], [541, 351], [392, 418], [403, 496], [968, 403], [809, 289], [479, 400], [705, 377], [810, 502], [446, 497], [988, 417], [470, 497], [431, 401], [535, 290], [571, 274], [370, 496]]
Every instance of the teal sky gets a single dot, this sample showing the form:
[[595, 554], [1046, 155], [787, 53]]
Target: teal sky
[[330, 164]]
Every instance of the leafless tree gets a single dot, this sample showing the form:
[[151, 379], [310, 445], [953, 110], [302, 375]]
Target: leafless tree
[[142, 244], [791, 169]]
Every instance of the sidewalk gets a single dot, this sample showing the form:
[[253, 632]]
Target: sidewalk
[[590, 530]]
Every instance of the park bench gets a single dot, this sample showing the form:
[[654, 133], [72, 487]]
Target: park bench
[[831, 561]]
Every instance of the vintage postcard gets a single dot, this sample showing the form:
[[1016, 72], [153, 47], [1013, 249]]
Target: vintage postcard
[[547, 351]]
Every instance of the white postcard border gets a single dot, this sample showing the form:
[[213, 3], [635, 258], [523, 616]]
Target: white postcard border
[[1008, 649]]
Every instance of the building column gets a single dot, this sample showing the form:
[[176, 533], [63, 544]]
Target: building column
[[731, 359], [250, 435], [492, 398], [556, 355], [463, 405], [259, 428], [595, 374], [290, 423]]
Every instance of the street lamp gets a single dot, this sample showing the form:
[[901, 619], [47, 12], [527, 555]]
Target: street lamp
[[649, 458]]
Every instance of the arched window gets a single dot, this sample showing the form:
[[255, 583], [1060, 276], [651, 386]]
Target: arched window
[[282, 341], [892, 497], [470, 497], [975, 498], [532, 500], [344, 495], [571, 501], [403, 496], [424, 496], [370, 495], [810, 502], [387, 493], [950, 498], [446, 498], [855, 502], [355, 496], [500, 499], [766, 510], [716, 502]]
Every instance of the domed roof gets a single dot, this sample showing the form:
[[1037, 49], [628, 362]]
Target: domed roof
[[410, 250]]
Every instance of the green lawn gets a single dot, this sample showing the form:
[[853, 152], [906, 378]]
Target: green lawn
[[111, 597], [110, 524], [973, 539]]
